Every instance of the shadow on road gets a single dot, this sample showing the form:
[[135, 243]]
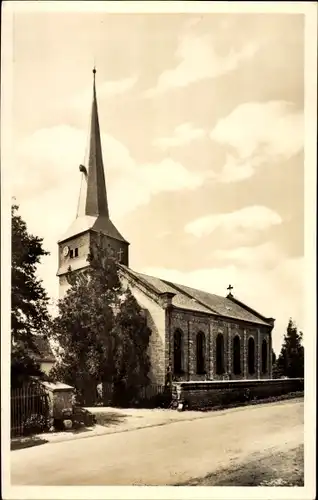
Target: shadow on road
[[110, 418]]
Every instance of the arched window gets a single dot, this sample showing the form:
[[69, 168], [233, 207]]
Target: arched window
[[219, 354], [201, 353], [251, 356], [236, 355], [178, 352], [264, 356]]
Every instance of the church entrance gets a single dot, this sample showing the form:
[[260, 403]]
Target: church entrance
[[178, 352]]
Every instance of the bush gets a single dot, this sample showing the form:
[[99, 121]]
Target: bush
[[160, 400], [35, 424]]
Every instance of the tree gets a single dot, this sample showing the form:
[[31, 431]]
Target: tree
[[99, 325], [29, 301], [290, 362], [130, 355]]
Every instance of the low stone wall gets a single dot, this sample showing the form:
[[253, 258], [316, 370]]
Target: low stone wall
[[208, 394]]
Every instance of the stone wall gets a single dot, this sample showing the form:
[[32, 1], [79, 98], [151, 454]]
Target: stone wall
[[155, 315], [204, 395]]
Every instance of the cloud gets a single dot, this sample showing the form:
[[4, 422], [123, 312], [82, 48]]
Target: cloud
[[54, 154], [183, 134], [259, 133], [278, 292], [142, 182], [198, 60], [255, 218], [261, 256], [105, 90], [235, 170]]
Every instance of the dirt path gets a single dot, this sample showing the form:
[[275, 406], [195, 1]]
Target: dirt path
[[275, 468], [166, 455]]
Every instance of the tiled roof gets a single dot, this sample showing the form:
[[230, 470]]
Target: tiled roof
[[44, 348], [198, 300]]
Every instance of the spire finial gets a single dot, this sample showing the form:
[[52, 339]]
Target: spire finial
[[94, 70]]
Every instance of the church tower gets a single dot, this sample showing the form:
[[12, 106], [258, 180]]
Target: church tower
[[92, 215]]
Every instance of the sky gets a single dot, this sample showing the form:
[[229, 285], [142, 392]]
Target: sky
[[202, 120]]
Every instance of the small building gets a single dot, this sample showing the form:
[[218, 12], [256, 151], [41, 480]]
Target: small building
[[45, 357]]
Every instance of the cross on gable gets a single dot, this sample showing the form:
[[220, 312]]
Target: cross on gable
[[230, 288]]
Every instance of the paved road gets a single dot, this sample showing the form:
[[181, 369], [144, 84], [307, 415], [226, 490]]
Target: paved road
[[166, 455]]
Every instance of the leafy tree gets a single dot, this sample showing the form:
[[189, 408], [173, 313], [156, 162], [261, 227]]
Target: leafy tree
[[99, 326], [290, 362], [130, 355], [29, 301]]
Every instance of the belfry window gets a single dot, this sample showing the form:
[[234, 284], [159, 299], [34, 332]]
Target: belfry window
[[76, 252], [71, 254]]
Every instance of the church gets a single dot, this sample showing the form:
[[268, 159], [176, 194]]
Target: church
[[195, 335]]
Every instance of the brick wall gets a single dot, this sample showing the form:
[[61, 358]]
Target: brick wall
[[190, 323]]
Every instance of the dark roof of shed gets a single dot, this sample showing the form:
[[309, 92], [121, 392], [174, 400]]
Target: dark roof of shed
[[44, 349]]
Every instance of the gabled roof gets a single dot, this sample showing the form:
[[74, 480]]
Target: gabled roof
[[197, 300], [44, 348]]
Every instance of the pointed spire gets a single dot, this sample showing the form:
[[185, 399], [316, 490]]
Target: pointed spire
[[95, 201]]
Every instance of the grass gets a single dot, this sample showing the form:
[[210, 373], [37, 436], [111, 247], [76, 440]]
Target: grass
[[26, 442]]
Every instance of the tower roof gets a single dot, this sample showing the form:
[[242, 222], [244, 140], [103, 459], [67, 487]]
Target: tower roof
[[93, 199], [92, 210]]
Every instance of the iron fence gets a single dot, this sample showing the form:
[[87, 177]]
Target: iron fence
[[152, 395], [29, 410]]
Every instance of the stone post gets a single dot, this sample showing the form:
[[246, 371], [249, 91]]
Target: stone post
[[245, 375], [270, 357]]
